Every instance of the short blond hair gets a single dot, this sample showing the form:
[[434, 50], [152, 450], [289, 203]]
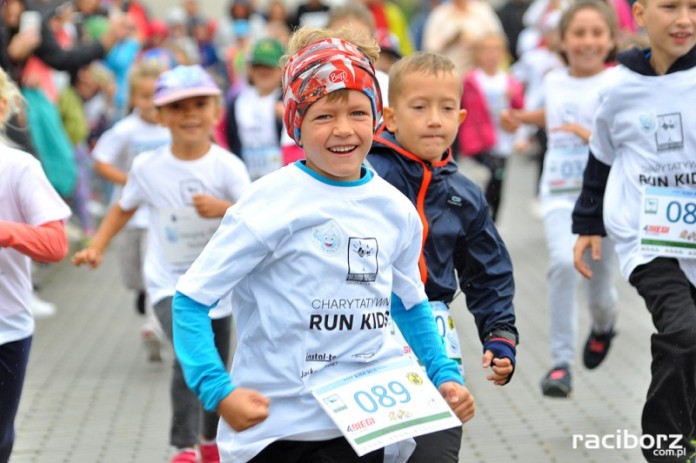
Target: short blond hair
[[10, 94], [306, 35], [424, 62]]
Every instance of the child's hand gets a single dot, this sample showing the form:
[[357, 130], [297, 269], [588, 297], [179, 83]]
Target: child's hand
[[90, 256], [509, 122], [243, 408], [581, 244], [502, 368], [459, 399], [208, 206]]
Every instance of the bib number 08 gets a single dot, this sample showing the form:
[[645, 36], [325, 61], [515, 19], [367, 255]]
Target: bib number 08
[[677, 212], [380, 396]]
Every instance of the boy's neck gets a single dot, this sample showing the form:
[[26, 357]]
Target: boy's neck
[[190, 151]]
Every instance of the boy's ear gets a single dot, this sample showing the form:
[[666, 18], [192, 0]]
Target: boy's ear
[[462, 115], [389, 119], [639, 13], [218, 112]]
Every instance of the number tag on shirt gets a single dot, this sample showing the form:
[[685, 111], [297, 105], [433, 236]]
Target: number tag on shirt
[[184, 234], [384, 404], [262, 160], [564, 168], [668, 222]]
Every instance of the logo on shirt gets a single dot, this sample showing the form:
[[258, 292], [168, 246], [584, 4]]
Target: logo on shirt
[[648, 123], [670, 134], [362, 260], [189, 188], [328, 238]]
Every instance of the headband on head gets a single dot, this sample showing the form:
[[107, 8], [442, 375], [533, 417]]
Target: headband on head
[[321, 68]]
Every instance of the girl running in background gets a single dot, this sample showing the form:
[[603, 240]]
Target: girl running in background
[[587, 42]]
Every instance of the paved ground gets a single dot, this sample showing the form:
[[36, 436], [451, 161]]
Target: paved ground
[[91, 396]]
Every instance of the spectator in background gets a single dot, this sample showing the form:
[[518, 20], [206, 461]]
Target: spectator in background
[[390, 17], [311, 13], [454, 27], [510, 15]]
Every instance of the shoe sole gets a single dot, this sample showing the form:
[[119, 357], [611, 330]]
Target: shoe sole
[[555, 391]]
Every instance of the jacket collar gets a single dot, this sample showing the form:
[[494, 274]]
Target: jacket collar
[[638, 60]]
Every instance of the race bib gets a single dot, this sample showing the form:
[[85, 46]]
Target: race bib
[[446, 329], [262, 160], [384, 404], [563, 170], [184, 234], [668, 222]]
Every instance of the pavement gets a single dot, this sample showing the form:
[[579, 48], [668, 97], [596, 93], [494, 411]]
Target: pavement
[[91, 395]]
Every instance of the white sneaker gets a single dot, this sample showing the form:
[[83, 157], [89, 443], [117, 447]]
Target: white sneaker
[[40, 308], [153, 345]]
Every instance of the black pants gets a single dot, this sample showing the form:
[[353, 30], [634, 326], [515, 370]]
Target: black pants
[[331, 451], [494, 189], [670, 406], [14, 357], [438, 447]]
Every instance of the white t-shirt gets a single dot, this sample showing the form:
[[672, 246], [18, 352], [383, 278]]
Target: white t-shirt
[[313, 266], [120, 145], [496, 92], [644, 130], [258, 131], [569, 100], [26, 197], [166, 184]]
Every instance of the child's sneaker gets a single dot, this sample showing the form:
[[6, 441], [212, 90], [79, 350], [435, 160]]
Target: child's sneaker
[[209, 453], [596, 348], [557, 382], [185, 456], [153, 345]]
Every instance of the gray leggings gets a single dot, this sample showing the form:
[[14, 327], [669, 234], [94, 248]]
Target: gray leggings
[[189, 420]]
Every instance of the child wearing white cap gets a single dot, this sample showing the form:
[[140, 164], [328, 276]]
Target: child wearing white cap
[[187, 186]]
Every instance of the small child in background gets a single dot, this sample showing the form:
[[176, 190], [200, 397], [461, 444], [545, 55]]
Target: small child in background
[[187, 186], [389, 51], [113, 156], [254, 119], [461, 247], [488, 91], [32, 228]]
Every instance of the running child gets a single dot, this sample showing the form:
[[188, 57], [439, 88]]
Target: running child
[[302, 241], [636, 191], [32, 227], [587, 42], [461, 246], [113, 156], [187, 186]]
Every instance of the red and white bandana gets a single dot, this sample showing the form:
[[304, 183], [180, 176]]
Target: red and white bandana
[[323, 67]]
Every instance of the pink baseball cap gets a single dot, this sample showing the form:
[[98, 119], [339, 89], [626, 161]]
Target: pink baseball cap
[[184, 82]]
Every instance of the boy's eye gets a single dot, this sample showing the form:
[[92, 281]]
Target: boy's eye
[[359, 113], [418, 106]]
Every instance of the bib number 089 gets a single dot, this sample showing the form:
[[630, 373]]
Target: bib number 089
[[380, 396]]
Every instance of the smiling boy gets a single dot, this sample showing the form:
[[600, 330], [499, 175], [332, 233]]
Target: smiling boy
[[312, 255], [641, 151]]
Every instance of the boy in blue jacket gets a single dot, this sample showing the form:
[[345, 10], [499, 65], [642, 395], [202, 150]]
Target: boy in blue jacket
[[411, 151]]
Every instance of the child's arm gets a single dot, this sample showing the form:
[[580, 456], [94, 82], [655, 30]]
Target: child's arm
[[417, 324], [485, 277], [205, 373], [114, 221], [587, 215], [44, 243], [576, 129], [110, 172], [210, 207], [511, 119]]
